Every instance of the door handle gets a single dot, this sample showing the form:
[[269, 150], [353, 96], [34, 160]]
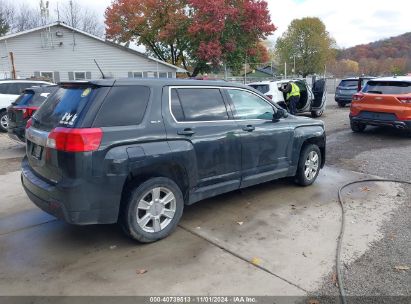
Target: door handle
[[249, 128], [186, 131]]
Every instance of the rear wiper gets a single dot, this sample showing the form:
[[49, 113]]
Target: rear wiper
[[375, 92]]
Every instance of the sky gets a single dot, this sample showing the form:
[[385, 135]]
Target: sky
[[349, 22]]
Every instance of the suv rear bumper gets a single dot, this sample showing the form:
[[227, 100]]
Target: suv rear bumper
[[17, 133], [399, 124], [343, 98], [57, 200]]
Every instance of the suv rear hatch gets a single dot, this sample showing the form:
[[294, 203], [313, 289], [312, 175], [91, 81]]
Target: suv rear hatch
[[62, 126], [347, 87], [26, 104], [386, 96]]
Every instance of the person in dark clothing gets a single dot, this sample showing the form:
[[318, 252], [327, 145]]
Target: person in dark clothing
[[292, 96]]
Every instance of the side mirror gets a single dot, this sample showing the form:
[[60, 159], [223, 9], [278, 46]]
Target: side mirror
[[279, 113]]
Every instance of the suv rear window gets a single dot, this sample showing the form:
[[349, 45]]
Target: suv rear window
[[387, 87], [123, 106], [348, 83], [65, 105], [263, 88], [34, 98]]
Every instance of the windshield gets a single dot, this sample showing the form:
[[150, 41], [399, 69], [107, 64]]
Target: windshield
[[348, 83], [387, 87], [65, 105], [263, 88]]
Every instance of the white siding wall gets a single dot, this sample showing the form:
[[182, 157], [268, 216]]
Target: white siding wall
[[30, 56]]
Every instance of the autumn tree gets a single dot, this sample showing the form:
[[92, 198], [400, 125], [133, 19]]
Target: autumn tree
[[308, 41], [344, 67], [195, 34]]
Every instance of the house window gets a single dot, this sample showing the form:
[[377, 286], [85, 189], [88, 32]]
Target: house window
[[151, 74], [79, 75], [137, 74], [47, 75], [170, 74], [162, 75]]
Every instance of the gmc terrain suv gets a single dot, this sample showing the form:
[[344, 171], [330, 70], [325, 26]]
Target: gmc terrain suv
[[136, 151]]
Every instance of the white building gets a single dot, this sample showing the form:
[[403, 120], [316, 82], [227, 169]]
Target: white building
[[61, 53]]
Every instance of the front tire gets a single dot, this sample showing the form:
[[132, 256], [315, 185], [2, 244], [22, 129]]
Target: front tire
[[152, 210], [308, 165], [357, 127], [3, 121]]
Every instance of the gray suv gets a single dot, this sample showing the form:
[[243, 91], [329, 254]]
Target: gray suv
[[137, 151]]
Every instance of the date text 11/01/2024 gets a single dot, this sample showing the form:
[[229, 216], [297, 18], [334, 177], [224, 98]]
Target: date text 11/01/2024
[[203, 299]]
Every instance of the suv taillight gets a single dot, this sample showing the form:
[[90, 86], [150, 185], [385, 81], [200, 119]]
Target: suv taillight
[[404, 99], [75, 140], [357, 97], [270, 96], [28, 112]]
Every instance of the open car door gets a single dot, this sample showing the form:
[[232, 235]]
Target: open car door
[[320, 94], [305, 94]]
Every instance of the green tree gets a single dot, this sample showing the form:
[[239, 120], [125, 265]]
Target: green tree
[[6, 17], [308, 41]]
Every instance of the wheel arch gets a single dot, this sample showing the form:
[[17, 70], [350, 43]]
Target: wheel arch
[[172, 170], [319, 141]]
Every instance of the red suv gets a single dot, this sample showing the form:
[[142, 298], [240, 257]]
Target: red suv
[[382, 102]]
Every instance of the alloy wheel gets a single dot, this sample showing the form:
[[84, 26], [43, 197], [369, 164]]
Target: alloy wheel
[[311, 165], [4, 122], [156, 209]]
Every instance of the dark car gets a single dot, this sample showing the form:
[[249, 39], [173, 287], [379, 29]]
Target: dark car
[[348, 87], [137, 151], [24, 107]]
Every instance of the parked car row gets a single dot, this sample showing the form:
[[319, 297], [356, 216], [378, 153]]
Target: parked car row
[[23, 108], [137, 151], [10, 90]]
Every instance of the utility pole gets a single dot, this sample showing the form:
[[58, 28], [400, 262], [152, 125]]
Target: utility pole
[[285, 70], [294, 68], [13, 67], [225, 72], [245, 69]]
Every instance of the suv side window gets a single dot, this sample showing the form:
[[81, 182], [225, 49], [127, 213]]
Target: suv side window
[[198, 104], [249, 106], [123, 106]]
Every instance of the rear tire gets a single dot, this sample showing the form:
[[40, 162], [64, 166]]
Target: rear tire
[[317, 113], [357, 127], [3, 121], [309, 165], [341, 104], [152, 210]]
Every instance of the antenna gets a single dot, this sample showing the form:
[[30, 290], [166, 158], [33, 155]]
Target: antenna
[[102, 74]]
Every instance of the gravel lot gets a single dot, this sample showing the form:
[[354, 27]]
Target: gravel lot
[[386, 153]]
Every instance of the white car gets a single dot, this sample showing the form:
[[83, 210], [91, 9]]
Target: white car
[[312, 99], [9, 91]]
